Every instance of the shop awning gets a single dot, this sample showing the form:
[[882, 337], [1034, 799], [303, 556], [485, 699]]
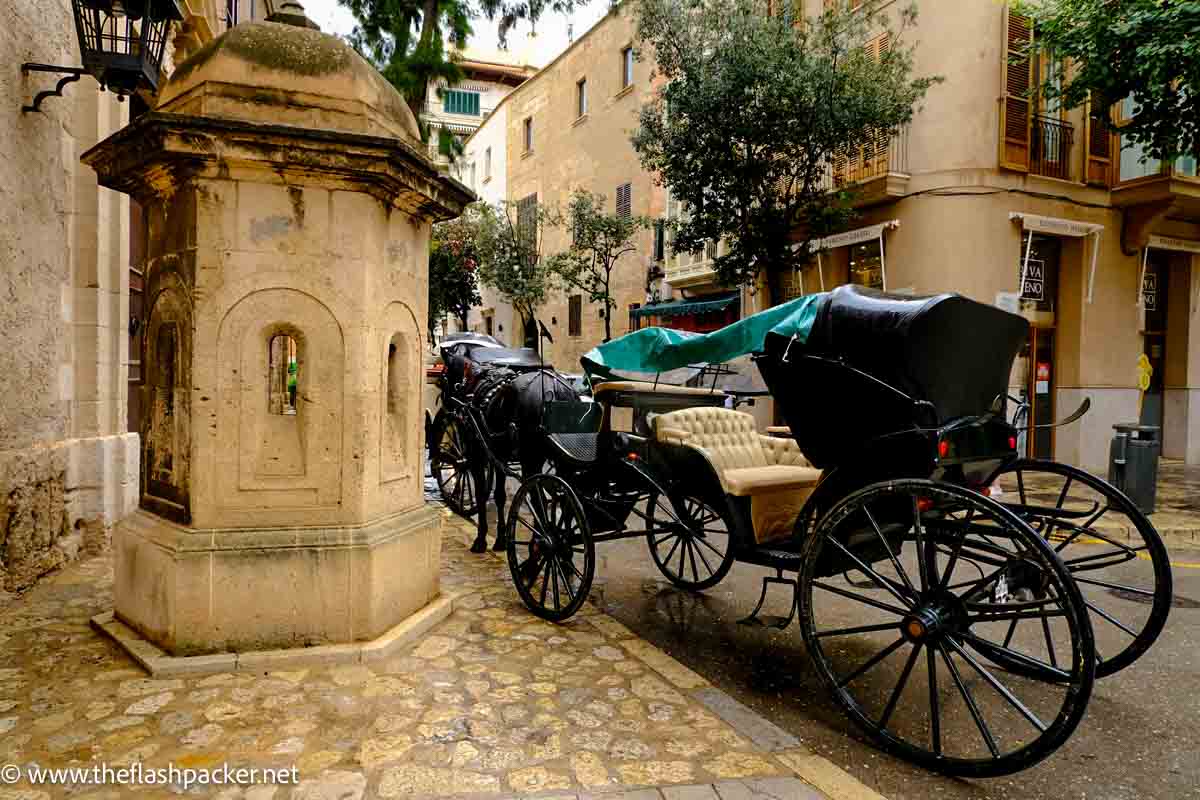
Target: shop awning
[[1172, 243], [1057, 226], [856, 236], [681, 308]]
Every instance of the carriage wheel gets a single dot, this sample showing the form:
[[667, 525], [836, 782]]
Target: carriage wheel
[[939, 572], [689, 540], [450, 467], [1111, 548], [551, 554]]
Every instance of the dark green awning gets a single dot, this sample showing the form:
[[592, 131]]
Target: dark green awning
[[679, 308]]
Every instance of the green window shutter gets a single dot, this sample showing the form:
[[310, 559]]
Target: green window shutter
[[456, 101]]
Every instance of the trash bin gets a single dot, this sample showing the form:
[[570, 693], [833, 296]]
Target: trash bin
[[1133, 463]]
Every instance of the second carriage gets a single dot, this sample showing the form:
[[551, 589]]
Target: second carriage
[[946, 588]]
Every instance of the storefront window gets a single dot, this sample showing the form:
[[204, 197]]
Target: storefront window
[[1040, 287], [866, 264]]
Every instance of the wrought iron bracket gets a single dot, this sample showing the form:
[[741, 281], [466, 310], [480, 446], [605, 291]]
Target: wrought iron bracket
[[70, 75]]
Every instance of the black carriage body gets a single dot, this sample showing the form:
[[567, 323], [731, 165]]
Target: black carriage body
[[891, 387], [876, 364]]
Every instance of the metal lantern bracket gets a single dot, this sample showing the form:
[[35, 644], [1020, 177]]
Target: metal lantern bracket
[[70, 75]]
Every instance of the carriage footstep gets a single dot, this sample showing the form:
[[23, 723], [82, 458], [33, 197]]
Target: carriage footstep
[[773, 620]]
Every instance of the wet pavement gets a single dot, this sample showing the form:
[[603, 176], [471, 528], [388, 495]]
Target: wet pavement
[[1137, 740]]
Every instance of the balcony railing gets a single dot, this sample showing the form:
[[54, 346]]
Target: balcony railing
[[877, 158], [1050, 147]]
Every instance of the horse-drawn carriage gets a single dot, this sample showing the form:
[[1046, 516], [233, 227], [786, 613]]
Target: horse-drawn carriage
[[946, 588]]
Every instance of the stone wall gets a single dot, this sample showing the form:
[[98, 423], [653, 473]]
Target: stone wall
[[68, 470]]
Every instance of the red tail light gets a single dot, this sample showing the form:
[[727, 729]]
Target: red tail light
[[943, 448], [924, 504], [1012, 443]]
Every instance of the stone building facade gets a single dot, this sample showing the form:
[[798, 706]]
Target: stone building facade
[[68, 461], [1008, 200], [555, 145]]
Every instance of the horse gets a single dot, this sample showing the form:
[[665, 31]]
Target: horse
[[507, 405]]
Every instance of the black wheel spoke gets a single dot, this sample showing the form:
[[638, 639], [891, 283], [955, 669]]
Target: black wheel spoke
[[935, 715], [1104, 615], [699, 552], [891, 706], [918, 534], [892, 556], [872, 574], [988, 739], [865, 600], [998, 686], [1017, 656], [1049, 641], [1117, 586], [875, 659], [887, 626]]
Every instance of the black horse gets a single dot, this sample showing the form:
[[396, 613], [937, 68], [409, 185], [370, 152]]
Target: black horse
[[505, 398]]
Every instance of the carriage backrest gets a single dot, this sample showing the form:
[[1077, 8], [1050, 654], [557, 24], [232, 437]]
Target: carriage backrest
[[728, 438]]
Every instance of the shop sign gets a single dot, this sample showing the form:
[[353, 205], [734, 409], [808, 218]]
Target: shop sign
[[1042, 384], [1150, 291], [1034, 285], [870, 233], [1174, 243], [1055, 225]]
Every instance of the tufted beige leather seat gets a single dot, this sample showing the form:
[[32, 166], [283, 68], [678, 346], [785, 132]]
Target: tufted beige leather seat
[[770, 470]]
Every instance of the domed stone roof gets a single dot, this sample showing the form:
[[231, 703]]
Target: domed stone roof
[[288, 74]]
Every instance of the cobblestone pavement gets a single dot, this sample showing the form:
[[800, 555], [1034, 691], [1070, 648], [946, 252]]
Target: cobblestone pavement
[[493, 702]]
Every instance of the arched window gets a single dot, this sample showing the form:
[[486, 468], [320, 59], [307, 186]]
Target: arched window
[[283, 374], [399, 395]]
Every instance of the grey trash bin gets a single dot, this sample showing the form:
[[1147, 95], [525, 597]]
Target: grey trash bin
[[1133, 463]]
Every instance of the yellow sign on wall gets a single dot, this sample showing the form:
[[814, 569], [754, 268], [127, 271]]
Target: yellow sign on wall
[[1144, 372]]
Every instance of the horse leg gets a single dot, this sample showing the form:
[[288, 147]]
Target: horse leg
[[479, 478], [500, 495]]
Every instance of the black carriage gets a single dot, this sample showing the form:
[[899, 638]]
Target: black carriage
[[897, 491]]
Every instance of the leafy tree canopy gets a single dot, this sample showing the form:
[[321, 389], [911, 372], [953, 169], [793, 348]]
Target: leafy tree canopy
[[453, 268], [753, 108], [1144, 50], [599, 239], [508, 238]]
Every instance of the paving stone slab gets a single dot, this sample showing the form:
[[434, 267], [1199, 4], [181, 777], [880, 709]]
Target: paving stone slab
[[762, 732]]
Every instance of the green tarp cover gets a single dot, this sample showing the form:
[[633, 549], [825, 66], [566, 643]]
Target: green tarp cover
[[663, 349]]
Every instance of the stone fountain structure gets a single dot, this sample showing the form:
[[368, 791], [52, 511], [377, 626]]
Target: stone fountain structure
[[288, 205]]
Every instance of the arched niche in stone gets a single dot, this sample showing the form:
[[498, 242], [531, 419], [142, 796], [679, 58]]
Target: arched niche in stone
[[287, 461], [401, 432], [166, 427]]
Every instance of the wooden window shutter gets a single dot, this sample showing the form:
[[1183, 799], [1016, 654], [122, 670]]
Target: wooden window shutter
[[1016, 100], [1100, 148], [624, 201], [877, 149]]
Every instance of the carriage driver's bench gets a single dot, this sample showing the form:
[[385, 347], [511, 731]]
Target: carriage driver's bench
[[766, 479]]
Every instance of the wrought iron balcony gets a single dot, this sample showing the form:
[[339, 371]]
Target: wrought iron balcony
[[878, 169], [1050, 143]]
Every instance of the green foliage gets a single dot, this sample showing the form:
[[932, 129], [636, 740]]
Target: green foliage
[[509, 257], [599, 240], [406, 39], [1145, 50], [752, 110], [453, 270]]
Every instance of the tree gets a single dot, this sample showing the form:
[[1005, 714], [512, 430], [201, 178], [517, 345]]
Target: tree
[[406, 39], [752, 110], [508, 240], [1145, 50], [453, 264], [599, 239]]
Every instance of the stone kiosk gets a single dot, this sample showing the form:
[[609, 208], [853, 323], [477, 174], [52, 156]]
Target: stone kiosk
[[288, 208]]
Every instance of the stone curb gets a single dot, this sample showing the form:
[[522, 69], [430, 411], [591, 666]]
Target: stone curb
[[814, 770], [161, 665]]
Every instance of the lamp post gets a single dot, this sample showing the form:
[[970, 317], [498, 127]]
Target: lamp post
[[121, 44]]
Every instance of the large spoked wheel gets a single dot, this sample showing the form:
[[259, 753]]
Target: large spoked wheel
[[551, 554], [1111, 548], [448, 461], [934, 575], [689, 540]]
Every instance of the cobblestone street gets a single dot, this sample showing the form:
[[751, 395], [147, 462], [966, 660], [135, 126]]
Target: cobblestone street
[[491, 702]]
